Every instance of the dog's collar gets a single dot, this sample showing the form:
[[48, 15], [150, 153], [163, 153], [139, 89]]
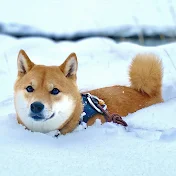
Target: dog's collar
[[90, 108]]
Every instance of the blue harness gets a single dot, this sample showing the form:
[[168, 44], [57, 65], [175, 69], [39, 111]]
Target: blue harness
[[90, 108]]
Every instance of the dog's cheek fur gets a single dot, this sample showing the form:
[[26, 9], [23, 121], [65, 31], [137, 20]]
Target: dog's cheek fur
[[63, 109]]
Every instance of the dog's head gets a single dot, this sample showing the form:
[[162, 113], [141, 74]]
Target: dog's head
[[46, 97]]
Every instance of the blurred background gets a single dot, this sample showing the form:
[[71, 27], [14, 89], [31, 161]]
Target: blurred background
[[145, 22]]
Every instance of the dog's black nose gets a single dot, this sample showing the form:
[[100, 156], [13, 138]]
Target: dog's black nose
[[37, 107]]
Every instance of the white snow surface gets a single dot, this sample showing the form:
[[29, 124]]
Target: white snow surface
[[72, 18], [146, 147]]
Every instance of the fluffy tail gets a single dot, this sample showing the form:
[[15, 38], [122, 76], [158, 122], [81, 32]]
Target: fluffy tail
[[146, 74]]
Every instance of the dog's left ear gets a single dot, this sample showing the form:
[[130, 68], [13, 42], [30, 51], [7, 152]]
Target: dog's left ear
[[70, 66]]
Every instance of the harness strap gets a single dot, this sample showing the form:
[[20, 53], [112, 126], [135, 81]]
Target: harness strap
[[115, 118]]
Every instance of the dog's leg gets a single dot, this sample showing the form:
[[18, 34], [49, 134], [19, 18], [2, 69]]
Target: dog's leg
[[92, 120]]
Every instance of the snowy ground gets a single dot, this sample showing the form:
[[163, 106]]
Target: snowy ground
[[73, 18], [146, 147]]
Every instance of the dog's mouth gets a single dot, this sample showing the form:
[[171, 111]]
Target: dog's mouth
[[40, 117], [50, 117]]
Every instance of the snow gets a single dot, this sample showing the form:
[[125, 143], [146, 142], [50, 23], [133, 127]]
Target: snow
[[146, 147], [70, 18]]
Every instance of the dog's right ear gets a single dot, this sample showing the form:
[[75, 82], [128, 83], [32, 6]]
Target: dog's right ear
[[24, 63]]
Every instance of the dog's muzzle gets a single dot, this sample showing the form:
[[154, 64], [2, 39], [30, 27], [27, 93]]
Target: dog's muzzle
[[37, 111]]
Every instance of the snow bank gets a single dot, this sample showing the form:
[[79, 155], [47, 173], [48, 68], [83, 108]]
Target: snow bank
[[146, 147]]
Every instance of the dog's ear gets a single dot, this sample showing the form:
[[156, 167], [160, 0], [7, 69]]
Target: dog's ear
[[70, 66], [24, 63]]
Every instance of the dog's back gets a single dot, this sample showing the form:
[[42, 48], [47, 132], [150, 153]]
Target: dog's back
[[146, 81]]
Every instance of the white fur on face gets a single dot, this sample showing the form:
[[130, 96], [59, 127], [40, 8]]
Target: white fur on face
[[62, 110]]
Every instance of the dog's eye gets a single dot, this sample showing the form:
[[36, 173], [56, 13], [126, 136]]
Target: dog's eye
[[55, 91], [29, 89]]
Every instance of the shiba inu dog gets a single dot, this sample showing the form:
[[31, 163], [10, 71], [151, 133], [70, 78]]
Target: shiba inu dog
[[47, 97]]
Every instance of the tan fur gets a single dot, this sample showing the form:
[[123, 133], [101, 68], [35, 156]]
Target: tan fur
[[146, 81], [145, 76]]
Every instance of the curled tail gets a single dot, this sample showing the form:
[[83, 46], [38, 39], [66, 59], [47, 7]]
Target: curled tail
[[146, 73]]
